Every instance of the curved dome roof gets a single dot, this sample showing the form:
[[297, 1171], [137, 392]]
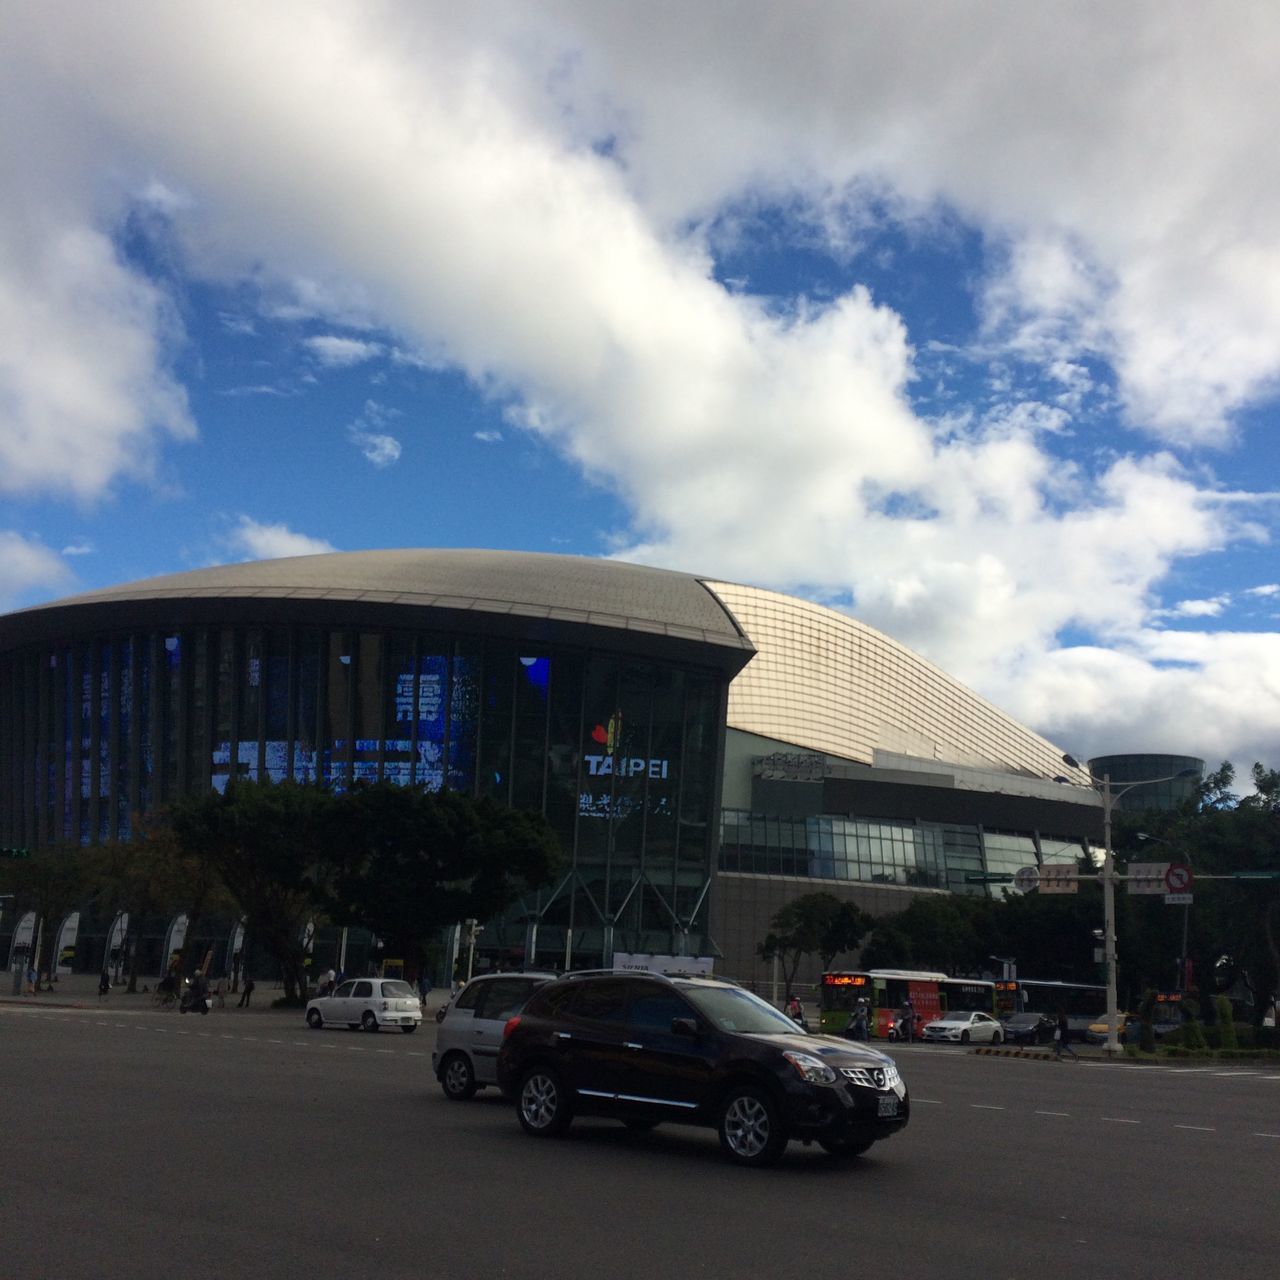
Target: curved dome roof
[[569, 589]]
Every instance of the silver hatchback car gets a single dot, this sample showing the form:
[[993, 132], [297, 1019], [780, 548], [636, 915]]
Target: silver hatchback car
[[470, 1032]]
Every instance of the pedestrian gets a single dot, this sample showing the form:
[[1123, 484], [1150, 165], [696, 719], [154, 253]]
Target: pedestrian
[[860, 1029], [1060, 1041], [795, 1010], [246, 993], [424, 988], [31, 979], [104, 984]]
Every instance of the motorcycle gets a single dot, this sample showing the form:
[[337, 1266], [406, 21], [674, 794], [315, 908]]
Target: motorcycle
[[193, 1002]]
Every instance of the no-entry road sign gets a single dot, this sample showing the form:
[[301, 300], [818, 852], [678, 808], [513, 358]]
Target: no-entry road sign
[[1178, 878]]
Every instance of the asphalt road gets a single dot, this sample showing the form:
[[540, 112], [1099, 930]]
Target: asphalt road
[[145, 1144]]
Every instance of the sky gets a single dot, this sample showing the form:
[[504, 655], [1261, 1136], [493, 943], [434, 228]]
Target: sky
[[962, 319]]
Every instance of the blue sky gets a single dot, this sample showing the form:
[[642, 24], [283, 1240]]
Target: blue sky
[[966, 321]]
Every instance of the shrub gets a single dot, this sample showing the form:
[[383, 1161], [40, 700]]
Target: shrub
[[1224, 1022]]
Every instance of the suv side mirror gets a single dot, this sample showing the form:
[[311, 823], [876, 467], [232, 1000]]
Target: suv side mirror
[[685, 1027]]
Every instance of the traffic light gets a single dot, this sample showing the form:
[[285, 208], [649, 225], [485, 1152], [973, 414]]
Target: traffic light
[[15, 853]]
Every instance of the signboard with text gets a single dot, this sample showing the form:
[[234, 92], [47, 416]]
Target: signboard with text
[[1146, 877]]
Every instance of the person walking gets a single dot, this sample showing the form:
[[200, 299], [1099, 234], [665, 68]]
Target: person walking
[[246, 992], [104, 984], [1060, 1042]]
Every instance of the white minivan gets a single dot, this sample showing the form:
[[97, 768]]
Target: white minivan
[[470, 1033]]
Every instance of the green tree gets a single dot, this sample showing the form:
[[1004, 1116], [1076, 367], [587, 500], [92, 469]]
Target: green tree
[[51, 882], [814, 924], [411, 861], [269, 844]]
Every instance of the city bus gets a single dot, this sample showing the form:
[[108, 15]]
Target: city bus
[[1084, 1003], [886, 990]]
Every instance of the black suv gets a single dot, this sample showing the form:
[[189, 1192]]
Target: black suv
[[644, 1049]]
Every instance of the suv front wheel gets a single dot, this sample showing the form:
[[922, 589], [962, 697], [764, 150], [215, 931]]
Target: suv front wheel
[[541, 1103], [752, 1131]]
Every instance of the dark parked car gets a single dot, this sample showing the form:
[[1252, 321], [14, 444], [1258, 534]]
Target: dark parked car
[[1029, 1028], [645, 1049]]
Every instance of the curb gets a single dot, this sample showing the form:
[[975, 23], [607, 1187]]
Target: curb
[[994, 1052]]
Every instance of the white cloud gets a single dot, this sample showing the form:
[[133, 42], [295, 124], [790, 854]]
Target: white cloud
[[78, 549], [1198, 608], [1269, 589], [488, 437], [446, 178], [252, 540], [336, 352], [28, 567]]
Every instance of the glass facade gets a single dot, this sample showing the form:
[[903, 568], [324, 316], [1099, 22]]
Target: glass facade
[[619, 753], [871, 851], [1169, 793]]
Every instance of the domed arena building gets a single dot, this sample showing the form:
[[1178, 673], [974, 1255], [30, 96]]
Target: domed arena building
[[706, 751]]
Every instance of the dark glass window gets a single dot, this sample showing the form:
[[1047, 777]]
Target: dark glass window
[[529, 758], [368, 707], [306, 761], [464, 713], [433, 709], [470, 996], [496, 723], [248, 728], [276, 695], [337, 735], [652, 1009], [603, 1000], [220, 758], [398, 692], [501, 997]]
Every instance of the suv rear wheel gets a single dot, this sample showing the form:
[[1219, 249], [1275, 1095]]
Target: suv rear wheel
[[751, 1130], [541, 1103]]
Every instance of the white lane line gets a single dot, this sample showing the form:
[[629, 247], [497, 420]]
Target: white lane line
[[270, 1041], [1267, 1135], [417, 1053], [984, 1106], [1199, 1128], [1222, 1075], [226, 1037], [1066, 1115], [1270, 1077], [301, 1044], [1118, 1120]]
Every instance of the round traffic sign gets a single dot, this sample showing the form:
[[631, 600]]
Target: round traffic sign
[[1178, 878], [1026, 878]]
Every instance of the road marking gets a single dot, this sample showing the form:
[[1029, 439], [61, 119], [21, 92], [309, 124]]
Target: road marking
[[1267, 1135], [1118, 1120], [226, 1037], [1224, 1074], [1271, 1077], [270, 1041], [1199, 1128], [1066, 1115], [417, 1053], [983, 1106], [384, 1051], [247, 1037]]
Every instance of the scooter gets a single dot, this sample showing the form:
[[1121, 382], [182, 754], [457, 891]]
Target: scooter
[[192, 1003]]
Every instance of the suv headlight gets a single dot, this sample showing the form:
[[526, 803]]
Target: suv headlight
[[811, 1069]]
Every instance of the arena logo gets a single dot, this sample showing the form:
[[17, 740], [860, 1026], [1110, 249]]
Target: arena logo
[[611, 764], [626, 766]]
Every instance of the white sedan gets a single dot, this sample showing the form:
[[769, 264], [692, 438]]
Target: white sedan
[[369, 1003], [963, 1027]]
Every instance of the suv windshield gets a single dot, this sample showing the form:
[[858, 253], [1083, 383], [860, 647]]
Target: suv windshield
[[732, 1009]]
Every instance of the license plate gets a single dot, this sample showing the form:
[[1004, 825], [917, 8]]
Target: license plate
[[888, 1106]]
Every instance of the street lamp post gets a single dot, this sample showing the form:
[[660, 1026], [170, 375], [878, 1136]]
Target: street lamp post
[[1109, 798]]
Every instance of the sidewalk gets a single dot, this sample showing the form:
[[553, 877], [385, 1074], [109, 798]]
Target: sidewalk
[[80, 991]]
